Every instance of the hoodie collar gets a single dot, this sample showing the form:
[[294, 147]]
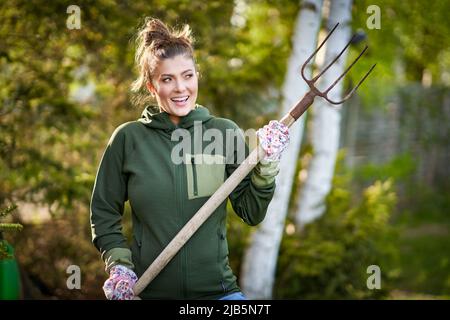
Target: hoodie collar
[[154, 118]]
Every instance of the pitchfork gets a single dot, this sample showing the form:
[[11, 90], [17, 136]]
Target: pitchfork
[[244, 169], [308, 98]]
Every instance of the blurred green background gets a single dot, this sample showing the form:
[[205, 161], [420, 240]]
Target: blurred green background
[[62, 93]]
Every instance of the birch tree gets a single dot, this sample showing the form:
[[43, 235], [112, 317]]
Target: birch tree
[[260, 259], [326, 120]]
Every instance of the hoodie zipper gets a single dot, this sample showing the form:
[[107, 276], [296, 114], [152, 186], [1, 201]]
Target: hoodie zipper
[[194, 174], [179, 173], [185, 251]]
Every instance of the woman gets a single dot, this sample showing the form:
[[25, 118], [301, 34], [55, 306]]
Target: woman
[[140, 165]]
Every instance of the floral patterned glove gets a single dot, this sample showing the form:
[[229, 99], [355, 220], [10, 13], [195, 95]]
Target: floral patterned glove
[[274, 138], [119, 285]]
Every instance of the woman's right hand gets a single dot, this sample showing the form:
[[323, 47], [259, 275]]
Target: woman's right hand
[[119, 285]]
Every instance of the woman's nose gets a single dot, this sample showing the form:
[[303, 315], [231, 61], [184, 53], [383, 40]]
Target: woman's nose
[[180, 86]]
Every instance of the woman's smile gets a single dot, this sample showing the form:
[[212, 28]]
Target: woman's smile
[[180, 101]]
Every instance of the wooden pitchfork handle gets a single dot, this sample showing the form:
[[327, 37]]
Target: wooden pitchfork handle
[[240, 173]]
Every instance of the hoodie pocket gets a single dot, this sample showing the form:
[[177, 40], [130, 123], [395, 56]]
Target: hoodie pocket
[[222, 248], [204, 173], [136, 246], [194, 177]]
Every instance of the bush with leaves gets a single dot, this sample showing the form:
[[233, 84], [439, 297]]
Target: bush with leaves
[[330, 257]]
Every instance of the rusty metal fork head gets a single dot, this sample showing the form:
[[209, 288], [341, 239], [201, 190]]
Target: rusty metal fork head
[[324, 94]]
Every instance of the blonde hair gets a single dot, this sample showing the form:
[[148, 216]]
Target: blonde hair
[[156, 42]]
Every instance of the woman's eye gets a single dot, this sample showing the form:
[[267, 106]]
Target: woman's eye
[[166, 79], [189, 75]]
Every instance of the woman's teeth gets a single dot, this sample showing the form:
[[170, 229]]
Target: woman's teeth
[[182, 99]]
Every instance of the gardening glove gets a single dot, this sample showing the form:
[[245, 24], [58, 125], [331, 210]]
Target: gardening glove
[[264, 173], [116, 256], [119, 285], [273, 138]]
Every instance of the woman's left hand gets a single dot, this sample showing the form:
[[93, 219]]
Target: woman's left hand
[[274, 138]]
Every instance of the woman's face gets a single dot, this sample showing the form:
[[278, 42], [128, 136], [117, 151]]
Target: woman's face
[[175, 86]]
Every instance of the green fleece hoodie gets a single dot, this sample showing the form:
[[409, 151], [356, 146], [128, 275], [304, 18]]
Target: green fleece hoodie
[[137, 166]]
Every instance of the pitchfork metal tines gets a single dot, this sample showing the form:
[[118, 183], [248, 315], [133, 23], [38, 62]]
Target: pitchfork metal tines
[[308, 99]]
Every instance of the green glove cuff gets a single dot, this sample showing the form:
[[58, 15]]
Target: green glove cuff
[[264, 173], [117, 256]]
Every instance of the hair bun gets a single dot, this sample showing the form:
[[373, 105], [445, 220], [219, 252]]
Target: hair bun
[[156, 30]]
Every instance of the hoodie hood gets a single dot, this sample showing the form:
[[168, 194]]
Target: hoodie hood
[[152, 117]]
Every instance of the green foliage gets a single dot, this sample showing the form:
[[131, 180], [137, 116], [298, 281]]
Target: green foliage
[[329, 258], [39, 122], [246, 65], [7, 227], [398, 168], [424, 241], [413, 38], [423, 265], [48, 249], [7, 210]]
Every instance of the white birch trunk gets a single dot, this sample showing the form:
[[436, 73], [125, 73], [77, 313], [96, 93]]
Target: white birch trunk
[[326, 121], [260, 259]]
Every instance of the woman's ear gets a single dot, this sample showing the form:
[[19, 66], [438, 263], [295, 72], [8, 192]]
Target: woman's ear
[[150, 88]]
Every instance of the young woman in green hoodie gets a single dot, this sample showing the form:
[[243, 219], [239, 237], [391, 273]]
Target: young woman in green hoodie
[[139, 165]]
